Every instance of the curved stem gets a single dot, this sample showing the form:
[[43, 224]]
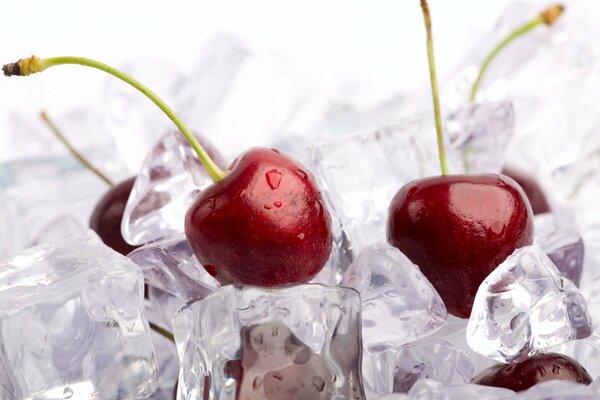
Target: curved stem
[[74, 152], [434, 89], [162, 331], [547, 17], [34, 64]]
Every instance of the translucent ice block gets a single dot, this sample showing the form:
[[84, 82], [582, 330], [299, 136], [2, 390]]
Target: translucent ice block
[[525, 306], [72, 323], [256, 343]]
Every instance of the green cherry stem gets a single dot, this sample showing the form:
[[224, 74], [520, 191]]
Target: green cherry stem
[[162, 331], [33, 64], [546, 17], [74, 152], [434, 89]]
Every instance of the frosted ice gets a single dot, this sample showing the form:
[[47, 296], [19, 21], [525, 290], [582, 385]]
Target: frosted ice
[[479, 134], [558, 390], [72, 322], [399, 304], [558, 237], [61, 227], [302, 339], [33, 192], [430, 389], [524, 306], [360, 174], [170, 265], [169, 180], [430, 359]]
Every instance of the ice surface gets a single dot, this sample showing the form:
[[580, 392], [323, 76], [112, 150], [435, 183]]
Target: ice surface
[[430, 359], [558, 237], [430, 389], [241, 98], [585, 351], [360, 174], [524, 306], [61, 227], [558, 390], [479, 135], [399, 305], [34, 192], [169, 181], [170, 265], [302, 339], [72, 322]]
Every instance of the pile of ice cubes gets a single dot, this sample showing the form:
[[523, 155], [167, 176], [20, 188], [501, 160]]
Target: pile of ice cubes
[[75, 316]]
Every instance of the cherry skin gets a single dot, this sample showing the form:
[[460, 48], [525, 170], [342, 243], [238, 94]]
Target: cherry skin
[[533, 191], [264, 224], [458, 229], [108, 214], [533, 370]]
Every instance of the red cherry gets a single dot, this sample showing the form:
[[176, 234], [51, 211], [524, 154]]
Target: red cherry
[[108, 214], [458, 229], [264, 224], [533, 191], [535, 369]]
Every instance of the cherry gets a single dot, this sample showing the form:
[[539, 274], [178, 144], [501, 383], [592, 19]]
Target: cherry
[[263, 224], [458, 228], [533, 191], [533, 370], [108, 214]]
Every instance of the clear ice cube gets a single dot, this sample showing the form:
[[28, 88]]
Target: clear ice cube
[[72, 322], [558, 237], [34, 192], [260, 343], [479, 134], [432, 359], [399, 305], [170, 179], [525, 306]]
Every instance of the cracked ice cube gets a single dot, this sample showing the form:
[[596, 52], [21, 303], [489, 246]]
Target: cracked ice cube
[[72, 323], [399, 304], [524, 306], [169, 180], [271, 343], [431, 359], [558, 237]]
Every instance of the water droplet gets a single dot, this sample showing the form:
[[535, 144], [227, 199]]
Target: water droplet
[[302, 174], [267, 207], [318, 383], [301, 236], [277, 204], [68, 392], [275, 151], [556, 369], [541, 370], [278, 376], [273, 178], [319, 207], [257, 383]]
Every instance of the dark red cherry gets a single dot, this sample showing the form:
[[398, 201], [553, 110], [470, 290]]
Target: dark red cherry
[[457, 229], [264, 224], [533, 191], [108, 214], [535, 369]]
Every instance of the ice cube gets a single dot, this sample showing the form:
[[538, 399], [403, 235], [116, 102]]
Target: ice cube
[[430, 389], [585, 351], [524, 306], [399, 305], [360, 174], [61, 227], [170, 265], [558, 390], [479, 134], [169, 181], [34, 192], [72, 323], [241, 98], [558, 237], [262, 343], [132, 120], [432, 359]]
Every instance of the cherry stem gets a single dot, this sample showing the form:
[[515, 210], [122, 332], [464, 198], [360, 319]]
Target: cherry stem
[[162, 331], [434, 89], [546, 17], [74, 152], [33, 64]]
